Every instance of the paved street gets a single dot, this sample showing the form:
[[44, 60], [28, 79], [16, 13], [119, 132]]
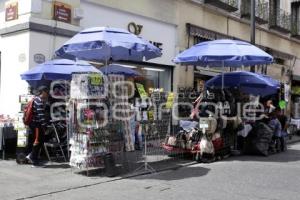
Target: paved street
[[245, 177]]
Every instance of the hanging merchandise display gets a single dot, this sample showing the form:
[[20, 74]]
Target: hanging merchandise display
[[88, 118], [118, 98], [87, 86], [141, 90], [161, 113], [170, 100]]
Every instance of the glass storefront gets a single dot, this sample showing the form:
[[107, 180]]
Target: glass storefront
[[154, 77]]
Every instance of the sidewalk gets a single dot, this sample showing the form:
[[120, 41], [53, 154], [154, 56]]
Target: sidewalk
[[294, 139], [23, 181]]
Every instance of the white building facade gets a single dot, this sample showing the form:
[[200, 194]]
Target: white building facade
[[31, 31]]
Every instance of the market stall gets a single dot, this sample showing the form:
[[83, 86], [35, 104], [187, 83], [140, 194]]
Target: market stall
[[106, 45], [222, 53], [56, 75]]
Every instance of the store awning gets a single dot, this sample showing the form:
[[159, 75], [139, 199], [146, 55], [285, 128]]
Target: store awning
[[279, 54], [296, 77], [206, 72], [197, 31]]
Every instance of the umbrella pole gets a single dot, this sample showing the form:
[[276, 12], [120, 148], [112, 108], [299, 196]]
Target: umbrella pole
[[223, 74]]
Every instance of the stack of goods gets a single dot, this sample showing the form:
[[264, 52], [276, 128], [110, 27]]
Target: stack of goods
[[88, 148], [187, 138]]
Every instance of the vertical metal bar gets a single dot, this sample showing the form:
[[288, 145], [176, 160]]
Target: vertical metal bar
[[0, 72], [223, 63], [252, 37], [252, 21]]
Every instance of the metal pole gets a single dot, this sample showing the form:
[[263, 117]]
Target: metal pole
[[223, 65], [252, 39]]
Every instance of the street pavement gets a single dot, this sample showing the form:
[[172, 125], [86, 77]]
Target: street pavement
[[276, 177]]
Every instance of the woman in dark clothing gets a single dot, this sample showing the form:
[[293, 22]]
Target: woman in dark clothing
[[284, 124]]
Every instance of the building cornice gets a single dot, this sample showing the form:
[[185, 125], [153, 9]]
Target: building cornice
[[37, 27]]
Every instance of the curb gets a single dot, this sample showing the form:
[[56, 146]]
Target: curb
[[293, 141]]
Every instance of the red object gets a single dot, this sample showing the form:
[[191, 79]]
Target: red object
[[28, 112], [89, 114], [218, 145]]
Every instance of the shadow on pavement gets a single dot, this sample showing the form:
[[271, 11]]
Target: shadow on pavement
[[57, 166], [291, 155], [182, 173]]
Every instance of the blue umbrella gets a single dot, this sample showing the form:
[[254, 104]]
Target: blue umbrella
[[119, 69], [220, 53], [248, 82], [60, 69], [103, 43]]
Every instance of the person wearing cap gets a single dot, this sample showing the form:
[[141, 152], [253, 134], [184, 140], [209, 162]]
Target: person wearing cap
[[39, 123]]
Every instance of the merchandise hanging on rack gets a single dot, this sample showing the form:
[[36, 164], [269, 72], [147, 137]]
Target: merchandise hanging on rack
[[118, 98], [88, 118]]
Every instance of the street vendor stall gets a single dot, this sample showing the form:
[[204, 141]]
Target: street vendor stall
[[54, 74], [219, 53], [105, 45]]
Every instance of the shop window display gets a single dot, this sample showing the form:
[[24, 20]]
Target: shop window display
[[155, 78]]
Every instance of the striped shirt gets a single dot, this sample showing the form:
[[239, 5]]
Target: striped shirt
[[39, 113]]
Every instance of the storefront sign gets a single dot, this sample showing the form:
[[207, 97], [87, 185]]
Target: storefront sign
[[62, 12], [157, 44], [137, 29], [11, 11], [39, 58]]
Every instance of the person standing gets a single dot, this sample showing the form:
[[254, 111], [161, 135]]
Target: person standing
[[39, 123], [275, 124], [284, 124]]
